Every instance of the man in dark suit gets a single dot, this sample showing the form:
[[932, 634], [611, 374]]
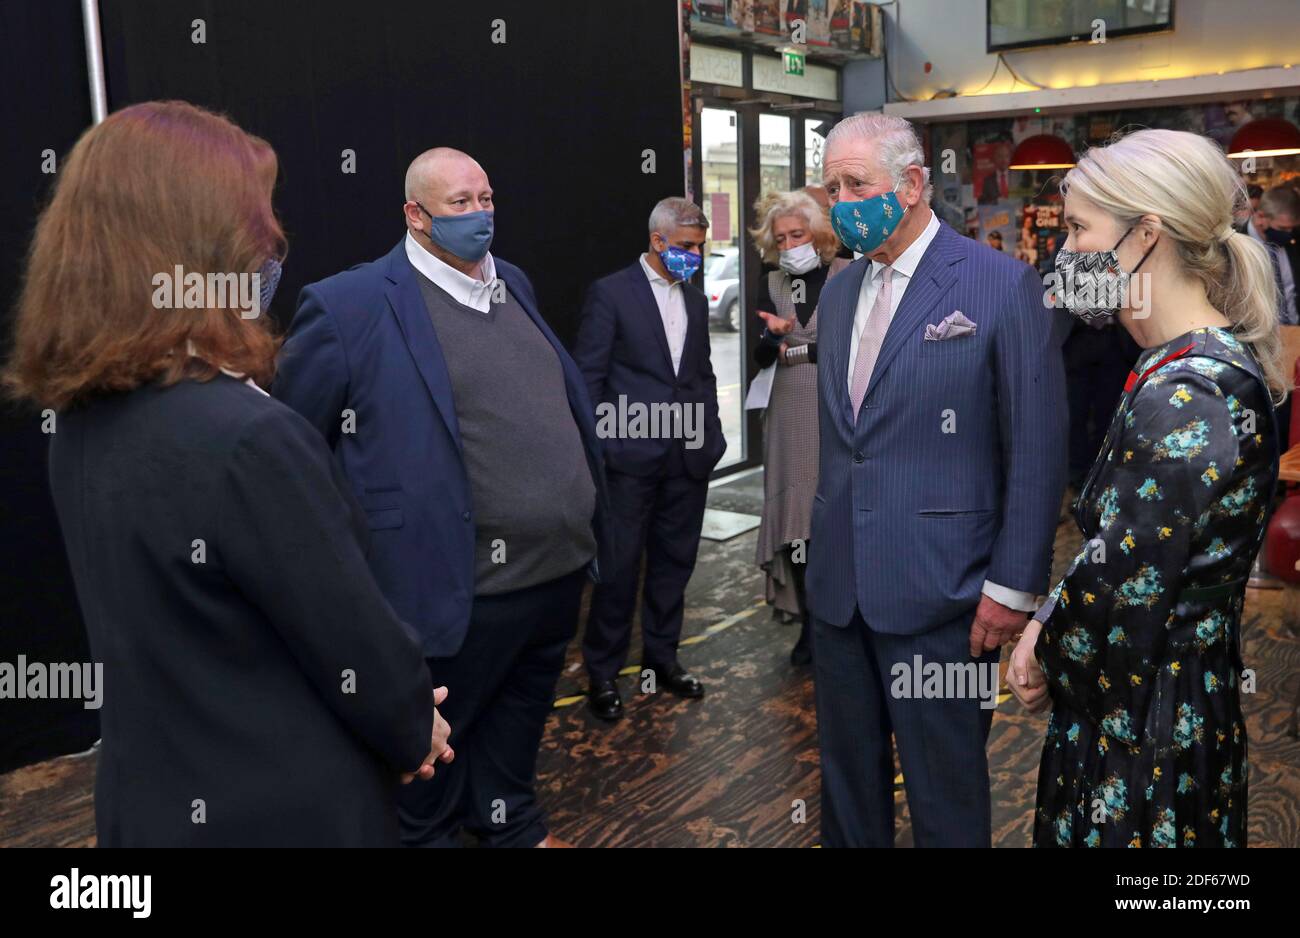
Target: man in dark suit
[[643, 347], [465, 431], [942, 465]]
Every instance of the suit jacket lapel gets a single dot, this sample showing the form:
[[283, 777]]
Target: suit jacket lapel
[[697, 318], [407, 303], [931, 279], [645, 295]]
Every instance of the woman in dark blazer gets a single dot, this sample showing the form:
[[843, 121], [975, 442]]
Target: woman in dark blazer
[[259, 690]]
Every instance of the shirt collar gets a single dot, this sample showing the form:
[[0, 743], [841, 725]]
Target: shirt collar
[[907, 262], [462, 288], [193, 352]]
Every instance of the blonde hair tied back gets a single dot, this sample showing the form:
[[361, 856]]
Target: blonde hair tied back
[[1185, 180]]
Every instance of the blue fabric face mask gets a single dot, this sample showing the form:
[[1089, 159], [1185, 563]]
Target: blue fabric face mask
[[681, 263], [468, 235], [863, 226], [269, 279]]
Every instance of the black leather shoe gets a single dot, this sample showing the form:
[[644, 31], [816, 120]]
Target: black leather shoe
[[678, 680], [604, 701]]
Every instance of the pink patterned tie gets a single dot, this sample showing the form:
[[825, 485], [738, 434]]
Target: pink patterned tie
[[873, 336]]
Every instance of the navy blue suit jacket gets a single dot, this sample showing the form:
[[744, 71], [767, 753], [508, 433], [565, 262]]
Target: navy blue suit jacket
[[954, 469], [622, 350], [362, 348]]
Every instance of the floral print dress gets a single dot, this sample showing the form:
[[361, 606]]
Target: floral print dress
[[1140, 645]]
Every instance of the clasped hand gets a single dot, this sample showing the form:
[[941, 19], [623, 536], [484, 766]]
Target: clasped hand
[[439, 751], [1024, 676]]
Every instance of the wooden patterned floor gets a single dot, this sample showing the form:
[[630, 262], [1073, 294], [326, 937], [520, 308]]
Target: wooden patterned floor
[[732, 769]]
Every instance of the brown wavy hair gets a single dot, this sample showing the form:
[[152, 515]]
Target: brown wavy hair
[[156, 185]]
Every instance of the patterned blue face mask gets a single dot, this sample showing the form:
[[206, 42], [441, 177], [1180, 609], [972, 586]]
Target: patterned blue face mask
[[681, 263], [863, 226], [269, 279]]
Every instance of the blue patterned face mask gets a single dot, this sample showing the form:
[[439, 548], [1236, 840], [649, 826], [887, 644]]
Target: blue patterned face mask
[[269, 279], [863, 226], [681, 263]]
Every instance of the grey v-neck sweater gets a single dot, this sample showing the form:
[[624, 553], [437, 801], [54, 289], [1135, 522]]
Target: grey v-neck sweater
[[534, 498]]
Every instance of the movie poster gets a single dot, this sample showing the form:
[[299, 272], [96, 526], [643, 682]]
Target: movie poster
[[819, 22], [711, 11], [948, 150], [998, 226], [1042, 234], [767, 17], [866, 32], [989, 172]]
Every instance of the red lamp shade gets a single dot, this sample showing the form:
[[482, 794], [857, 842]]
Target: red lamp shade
[[1282, 541], [1266, 136], [1043, 151]]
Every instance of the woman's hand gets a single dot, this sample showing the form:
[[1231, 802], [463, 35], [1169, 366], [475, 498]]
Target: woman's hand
[[775, 324], [1024, 676], [439, 751]]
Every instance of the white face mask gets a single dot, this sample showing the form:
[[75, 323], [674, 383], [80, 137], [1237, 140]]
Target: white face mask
[[800, 260]]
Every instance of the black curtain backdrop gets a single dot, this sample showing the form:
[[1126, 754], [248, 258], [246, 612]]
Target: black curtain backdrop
[[560, 115], [44, 106]]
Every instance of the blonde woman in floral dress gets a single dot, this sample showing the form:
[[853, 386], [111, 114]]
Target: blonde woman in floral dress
[[1138, 648]]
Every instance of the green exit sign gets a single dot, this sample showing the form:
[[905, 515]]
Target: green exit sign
[[794, 61]]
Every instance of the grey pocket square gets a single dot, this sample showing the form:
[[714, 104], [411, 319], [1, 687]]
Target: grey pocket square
[[954, 326]]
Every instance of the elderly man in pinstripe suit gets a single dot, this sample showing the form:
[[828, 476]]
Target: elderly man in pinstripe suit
[[943, 443]]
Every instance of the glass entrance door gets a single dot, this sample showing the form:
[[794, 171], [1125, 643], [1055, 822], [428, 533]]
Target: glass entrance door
[[719, 162], [742, 152]]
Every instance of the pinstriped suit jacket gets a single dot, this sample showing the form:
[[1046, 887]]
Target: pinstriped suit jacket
[[954, 469]]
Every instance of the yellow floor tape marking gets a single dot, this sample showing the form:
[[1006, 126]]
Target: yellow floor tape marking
[[693, 640]]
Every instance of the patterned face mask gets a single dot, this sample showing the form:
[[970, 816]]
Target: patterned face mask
[[269, 279], [681, 263], [1093, 286], [863, 226]]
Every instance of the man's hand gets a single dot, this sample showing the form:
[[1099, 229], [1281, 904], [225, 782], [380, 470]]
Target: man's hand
[[775, 324], [439, 751], [994, 626], [1024, 676]]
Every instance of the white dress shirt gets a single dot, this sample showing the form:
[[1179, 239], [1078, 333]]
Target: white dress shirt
[[904, 268], [193, 352], [672, 310], [466, 290]]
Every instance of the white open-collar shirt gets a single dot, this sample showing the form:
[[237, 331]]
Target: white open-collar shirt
[[672, 310], [465, 290]]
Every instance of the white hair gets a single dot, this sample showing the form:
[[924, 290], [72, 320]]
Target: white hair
[[800, 204], [897, 145], [675, 212]]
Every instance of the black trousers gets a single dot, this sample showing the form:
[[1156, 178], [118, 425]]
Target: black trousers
[[500, 690], [660, 516]]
